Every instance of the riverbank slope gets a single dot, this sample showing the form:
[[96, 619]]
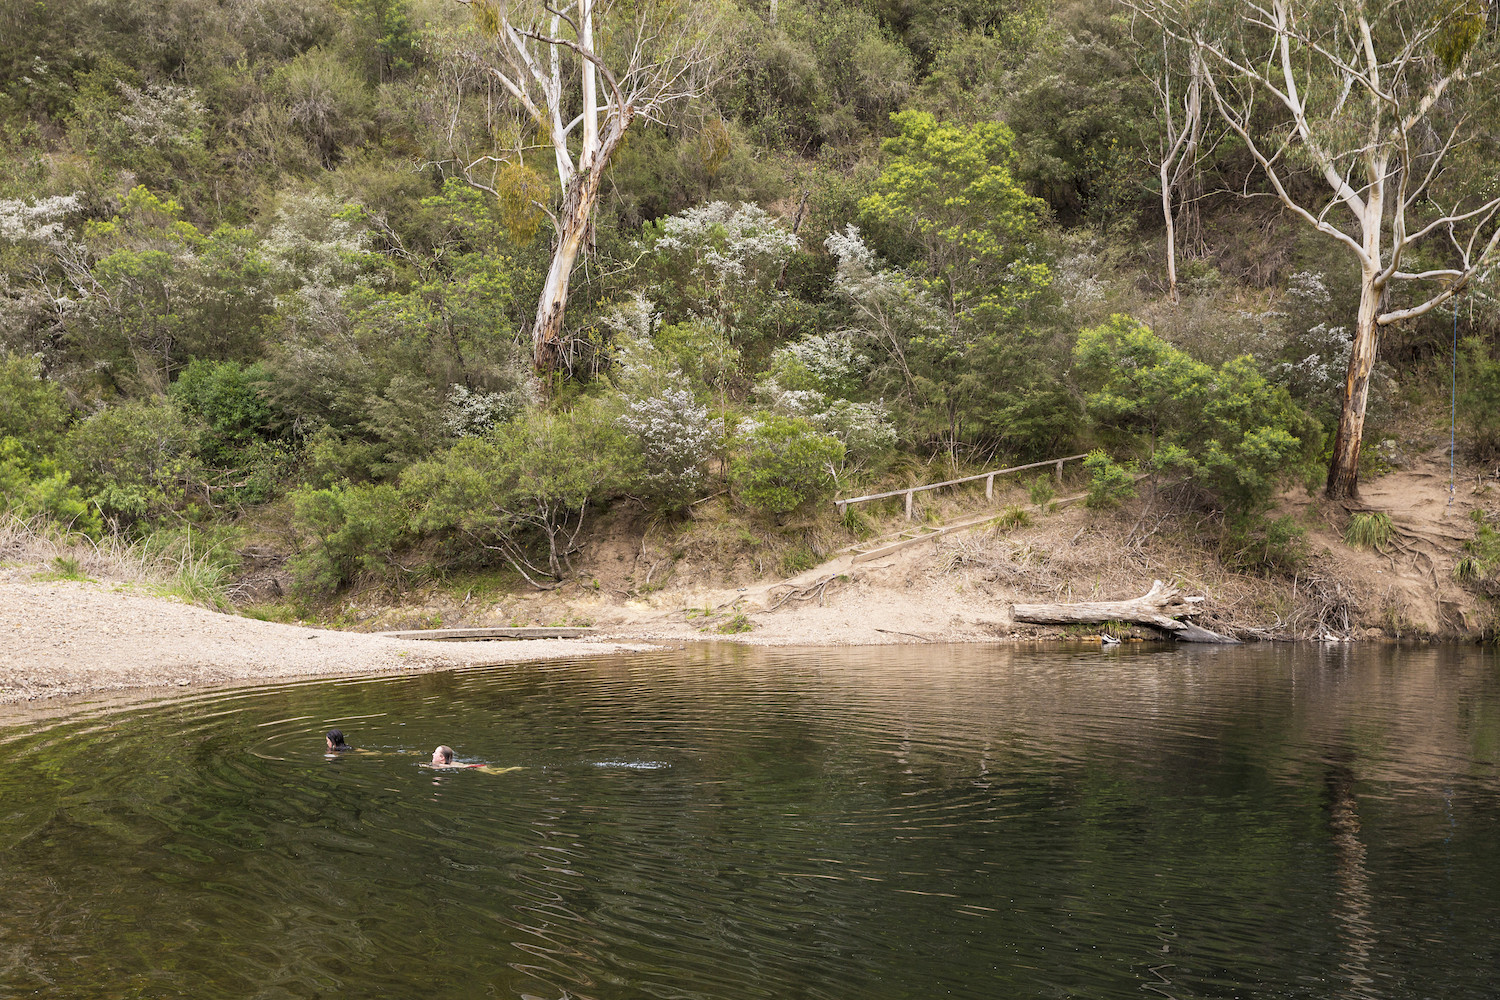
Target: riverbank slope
[[66, 637]]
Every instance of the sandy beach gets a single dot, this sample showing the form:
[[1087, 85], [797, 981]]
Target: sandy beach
[[68, 638]]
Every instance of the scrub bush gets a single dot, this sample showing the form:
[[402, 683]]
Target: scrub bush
[[1479, 398], [230, 399], [523, 490], [35, 487], [355, 529], [135, 460], [1110, 483], [1229, 430], [675, 439], [784, 463], [33, 411]]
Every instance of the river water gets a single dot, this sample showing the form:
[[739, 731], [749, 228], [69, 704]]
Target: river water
[[722, 822]]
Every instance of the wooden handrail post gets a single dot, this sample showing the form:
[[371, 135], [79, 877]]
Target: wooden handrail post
[[844, 503]]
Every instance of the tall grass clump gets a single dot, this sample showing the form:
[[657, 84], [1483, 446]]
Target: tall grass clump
[[1369, 530], [1481, 553], [182, 565]]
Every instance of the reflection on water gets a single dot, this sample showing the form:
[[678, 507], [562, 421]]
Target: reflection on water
[[734, 823]]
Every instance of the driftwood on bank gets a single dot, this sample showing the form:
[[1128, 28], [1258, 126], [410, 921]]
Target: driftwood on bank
[[1161, 607]]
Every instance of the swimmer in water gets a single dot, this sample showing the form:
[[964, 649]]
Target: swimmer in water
[[336, 744], [442, 758]]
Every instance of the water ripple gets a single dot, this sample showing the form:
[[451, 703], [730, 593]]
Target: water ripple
[[714, 823]]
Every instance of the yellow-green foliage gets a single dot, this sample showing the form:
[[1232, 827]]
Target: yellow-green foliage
[[784, 463], [1110, 483]]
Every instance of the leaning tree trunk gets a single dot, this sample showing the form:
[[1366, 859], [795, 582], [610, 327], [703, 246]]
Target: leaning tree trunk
[[1166, 214], [1343, 470], [573, 227], [574, 223]]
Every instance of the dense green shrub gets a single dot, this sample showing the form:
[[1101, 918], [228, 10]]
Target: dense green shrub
[[1110, 483], [524, 489], [1138, 384], [1228, 429], [230, 398], [355, 529], [134, 460], [784, 463], [34, 487], [1479, 398], [33, 410]]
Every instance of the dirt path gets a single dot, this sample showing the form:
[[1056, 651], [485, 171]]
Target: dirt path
[[959, 586], [1409, 582]]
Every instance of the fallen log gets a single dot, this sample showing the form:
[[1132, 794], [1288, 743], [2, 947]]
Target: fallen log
[[1160, 607]]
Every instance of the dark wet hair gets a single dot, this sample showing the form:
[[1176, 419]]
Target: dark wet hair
[[337, 737]]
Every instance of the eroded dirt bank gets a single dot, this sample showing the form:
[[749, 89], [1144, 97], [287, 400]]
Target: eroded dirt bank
[[959, 585]]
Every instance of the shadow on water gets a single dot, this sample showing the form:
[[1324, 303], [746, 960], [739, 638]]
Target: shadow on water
[[730, 822]]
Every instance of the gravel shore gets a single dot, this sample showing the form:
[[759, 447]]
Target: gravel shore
[[70, 638]]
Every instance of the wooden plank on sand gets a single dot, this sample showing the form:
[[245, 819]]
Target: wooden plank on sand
[[477, 634]]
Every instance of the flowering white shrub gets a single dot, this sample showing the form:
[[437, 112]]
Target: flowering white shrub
[[1315, 353], [162, 115], [827, 361], [636, 318], [718, 262], [40, 221], [1078, 278], [469, 413], [315, 243], [863, 428], [1309, 289], [726, 244], [676, 438], [1321, 372], [888, 304]]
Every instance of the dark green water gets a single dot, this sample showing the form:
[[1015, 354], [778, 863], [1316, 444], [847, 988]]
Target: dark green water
[[909, 822]]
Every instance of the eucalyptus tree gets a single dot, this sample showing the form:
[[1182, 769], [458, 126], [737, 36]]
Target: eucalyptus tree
[[1365, 118], [1175, 73], [583, 72]]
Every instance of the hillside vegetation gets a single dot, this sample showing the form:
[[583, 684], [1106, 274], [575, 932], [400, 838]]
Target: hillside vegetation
[[270, 274]]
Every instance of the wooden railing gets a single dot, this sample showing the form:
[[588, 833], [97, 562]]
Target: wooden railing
[[988, 477]]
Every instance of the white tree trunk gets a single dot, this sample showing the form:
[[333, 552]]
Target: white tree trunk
[[1166, 214], [670, 53], [574, 223], [1343, 470]]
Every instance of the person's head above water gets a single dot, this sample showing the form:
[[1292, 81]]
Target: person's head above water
[[442, 755], [335, 739]]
